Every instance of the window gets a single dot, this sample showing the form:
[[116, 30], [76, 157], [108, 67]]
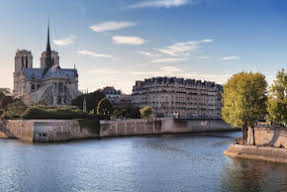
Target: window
[[60, 87]]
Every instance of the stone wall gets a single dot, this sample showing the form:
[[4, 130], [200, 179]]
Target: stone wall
[[159, 126], [268, 137], [49, 130], [63, 130], [257, 153]]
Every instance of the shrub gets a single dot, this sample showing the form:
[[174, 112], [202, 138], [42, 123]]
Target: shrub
[[146, 112], [104, 107], [14, 110], [63, 112]]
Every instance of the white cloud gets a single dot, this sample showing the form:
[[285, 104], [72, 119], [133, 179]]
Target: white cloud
[[111, 26], [94, 54], [160, 3], [180, 48], [183, 48], [65, 41], [129, 40], [230, 58], [168, 60], [203, 57], [207, 40], [104, 71], [148, 54]]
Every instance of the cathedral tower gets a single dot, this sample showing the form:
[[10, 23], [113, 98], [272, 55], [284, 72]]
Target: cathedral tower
[[23, 60], [49, 58]]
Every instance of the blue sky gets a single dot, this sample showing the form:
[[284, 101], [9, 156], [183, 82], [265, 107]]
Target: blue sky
[[115, 42]]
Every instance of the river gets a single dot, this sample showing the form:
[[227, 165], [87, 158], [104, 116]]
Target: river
[[154, 163]]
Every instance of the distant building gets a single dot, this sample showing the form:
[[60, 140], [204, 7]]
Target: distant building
[[50, 82], [111, 94], [123, 101], [178, 97]]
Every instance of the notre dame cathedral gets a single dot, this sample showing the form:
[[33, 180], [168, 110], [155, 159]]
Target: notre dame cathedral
[[50, 82]]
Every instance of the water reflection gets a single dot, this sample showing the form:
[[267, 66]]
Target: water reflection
[[161, 163], [254, 176]]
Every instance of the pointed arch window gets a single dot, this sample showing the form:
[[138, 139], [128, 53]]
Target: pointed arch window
[[26, 62], [22, 58]]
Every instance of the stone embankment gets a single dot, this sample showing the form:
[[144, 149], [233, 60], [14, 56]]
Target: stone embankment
[[257, 153], [270, 145], [49, 130], [63, 130], [131, 127]]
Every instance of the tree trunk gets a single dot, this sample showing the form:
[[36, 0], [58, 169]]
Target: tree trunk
[[253, 134], [244, 132]]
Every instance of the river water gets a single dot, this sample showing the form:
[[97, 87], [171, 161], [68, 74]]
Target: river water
[[155, 163]]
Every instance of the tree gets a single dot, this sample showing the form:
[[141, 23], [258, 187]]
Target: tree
[[244, 101], [117, 113], [5, 98], [277, 100], [104, 107], [128, 111], [92, 100], [15, 109], [146, 112], [42, 102]]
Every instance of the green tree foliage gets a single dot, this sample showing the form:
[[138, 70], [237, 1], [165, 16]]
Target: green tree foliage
[[244, 100], [5, 98], [277, 100], [129, 111], [104, 107], [146, 112], [117, 113], [132, 112], [50, 112], [41, 102], [14, 110], [92, 100]]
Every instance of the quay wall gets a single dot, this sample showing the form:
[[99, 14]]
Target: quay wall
[[49, 130], [276, 137], [257, 153], [132, 127], [64, 130]]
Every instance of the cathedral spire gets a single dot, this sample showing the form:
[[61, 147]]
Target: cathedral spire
[[48, 56], [48, 48]]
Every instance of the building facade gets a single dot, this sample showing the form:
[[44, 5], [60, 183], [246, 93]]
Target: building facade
[[179, 98], [112, 94], [50, 82]]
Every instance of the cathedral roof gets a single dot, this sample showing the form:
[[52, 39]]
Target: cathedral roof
[[53, 72], [57, 72], [33, 73]]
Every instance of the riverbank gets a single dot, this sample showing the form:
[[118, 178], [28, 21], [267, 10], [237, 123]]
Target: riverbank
[[264, 153], [64, 130]]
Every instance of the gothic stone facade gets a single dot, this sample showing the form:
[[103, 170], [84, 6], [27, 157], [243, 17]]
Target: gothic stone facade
[[50, 82], [179, 98]]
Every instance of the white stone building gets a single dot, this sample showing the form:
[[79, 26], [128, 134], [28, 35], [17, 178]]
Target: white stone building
[[111, 94], [179, 98], [50, 82]]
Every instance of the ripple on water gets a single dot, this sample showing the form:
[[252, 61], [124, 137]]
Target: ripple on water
[[162, 163]]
